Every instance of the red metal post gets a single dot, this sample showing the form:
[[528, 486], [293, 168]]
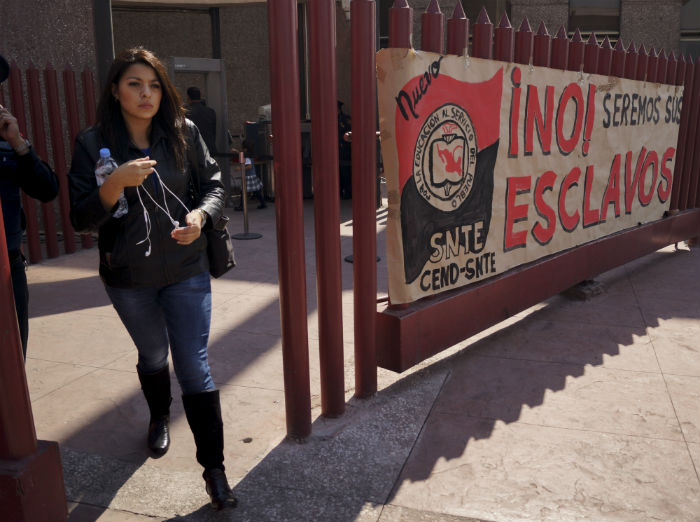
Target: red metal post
[[692, 153], [690, 102], [605, 57], [286, 129], [684, 76], [576, 50], [642, 62], [73, 118], [59, 156], [631, 62], [17, 100], [39, 134], [364, 183], [671, 69], [560, 50], [432, 36], [542, 47], [503, 40], [523, 43], [31, 479], [458, 32], [482, 36], [619, 56], [652, 66], [324, 128], [590, 55], [400, 24], [89, 96], [17, 433], [662, 67]]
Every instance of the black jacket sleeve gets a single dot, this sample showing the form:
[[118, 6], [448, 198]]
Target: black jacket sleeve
[[86, 210], [35, 177], [208, 175]]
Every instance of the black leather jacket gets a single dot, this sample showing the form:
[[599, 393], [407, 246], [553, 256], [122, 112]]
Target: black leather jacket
[[123, 262]]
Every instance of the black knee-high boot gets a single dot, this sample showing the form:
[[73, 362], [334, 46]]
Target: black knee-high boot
[[203, 411], [156, 388]]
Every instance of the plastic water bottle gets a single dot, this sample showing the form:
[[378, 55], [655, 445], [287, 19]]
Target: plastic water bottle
[[104, 167]]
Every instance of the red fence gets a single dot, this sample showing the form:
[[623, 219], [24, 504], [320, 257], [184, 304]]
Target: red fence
[[397, 337], [42, 100]]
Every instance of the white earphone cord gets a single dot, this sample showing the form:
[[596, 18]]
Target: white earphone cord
[[166, 210]]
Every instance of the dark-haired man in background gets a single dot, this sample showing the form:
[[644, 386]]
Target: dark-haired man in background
[[203, 117]]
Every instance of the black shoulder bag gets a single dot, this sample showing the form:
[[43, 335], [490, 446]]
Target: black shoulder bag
[[219, 244]]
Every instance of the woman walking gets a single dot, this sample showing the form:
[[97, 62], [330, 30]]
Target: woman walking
[[153, 259]]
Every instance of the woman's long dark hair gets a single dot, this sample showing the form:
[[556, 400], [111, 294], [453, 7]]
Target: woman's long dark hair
[[170, 116]]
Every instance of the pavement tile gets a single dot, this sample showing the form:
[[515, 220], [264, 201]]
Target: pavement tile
[[44, 377], [685, 394], [536, 339], [78, 337], [562, 395], [489, 470], [678, 353], [86, 513], [695, 454], [362, 451], [392, 513]]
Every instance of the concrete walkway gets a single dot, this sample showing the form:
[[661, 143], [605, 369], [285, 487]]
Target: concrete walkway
[[572, 410]]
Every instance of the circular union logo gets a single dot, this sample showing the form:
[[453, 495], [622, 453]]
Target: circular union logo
[[444, 159]]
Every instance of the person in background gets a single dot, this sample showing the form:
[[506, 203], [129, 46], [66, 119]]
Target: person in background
[[153, 260], [253, 185], [344, 154], [203, 117], [21, 170]]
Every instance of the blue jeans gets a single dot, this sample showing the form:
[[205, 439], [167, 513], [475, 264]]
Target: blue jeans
[[177, 316]]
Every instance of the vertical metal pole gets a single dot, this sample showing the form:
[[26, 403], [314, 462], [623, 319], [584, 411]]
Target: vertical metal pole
[[17, 101], [324, 148], [619, 59], [458, 31], [104, 37], [244, 191], [605, 57], [503, 40], [642, 62], [286, 129], [631, 62], [652, 66], [39, 135], [17, 433], [364, 162], [523, 43], [73, 118], [542, 47], [432, 37], [683, 77], [692, 154], [400, 24], [590, 55], [59, 156], [482, 36], [576, 47], [560, 49]]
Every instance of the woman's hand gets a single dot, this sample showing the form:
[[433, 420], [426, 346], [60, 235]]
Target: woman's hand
[[130, 174], [133, 173], [186, 235]]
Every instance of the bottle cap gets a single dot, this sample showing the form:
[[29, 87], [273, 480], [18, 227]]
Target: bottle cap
[[104, 153]]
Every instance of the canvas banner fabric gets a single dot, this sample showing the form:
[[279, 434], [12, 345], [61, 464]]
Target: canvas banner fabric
[[490, 165]]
